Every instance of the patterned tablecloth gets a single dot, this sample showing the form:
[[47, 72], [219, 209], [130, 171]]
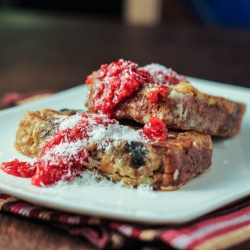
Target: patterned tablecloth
[[226, 228]]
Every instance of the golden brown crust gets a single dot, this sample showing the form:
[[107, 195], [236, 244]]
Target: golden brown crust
[[35, 128], [165, 165], [184, 108]]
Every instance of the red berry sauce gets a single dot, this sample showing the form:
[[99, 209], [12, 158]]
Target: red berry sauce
[[65, 156], [155, 129], [118, 80], [18, 168], [157, 92], [115, 82]]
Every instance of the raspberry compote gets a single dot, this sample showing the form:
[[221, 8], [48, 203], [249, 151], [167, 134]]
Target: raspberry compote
[[155, 129], [118, 80], [114, 82], [66, 155]]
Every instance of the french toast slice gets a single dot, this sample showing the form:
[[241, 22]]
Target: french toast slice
[[36, 128], [182, 108], [164, 165]]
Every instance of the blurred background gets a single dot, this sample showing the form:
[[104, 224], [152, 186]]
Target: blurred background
[[53, 45]]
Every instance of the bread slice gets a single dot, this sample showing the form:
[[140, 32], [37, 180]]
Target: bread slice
[[164, 165], [182, 108], [36, 128]]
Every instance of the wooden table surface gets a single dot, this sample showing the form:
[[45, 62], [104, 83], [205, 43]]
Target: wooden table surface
[[41, 51]]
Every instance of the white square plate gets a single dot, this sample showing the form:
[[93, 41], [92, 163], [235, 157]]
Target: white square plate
[[227, 180]]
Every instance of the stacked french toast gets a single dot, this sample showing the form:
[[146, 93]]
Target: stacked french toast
[[144, 125]]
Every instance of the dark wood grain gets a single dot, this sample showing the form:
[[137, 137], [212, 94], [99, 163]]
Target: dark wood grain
[[39, 51]]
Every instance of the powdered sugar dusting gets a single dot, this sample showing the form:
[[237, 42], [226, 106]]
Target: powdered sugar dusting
[[164, 76], [101, 133], [69, 121], [89, 178], [108, 129], [65, 151], [65, 155], [116, 132]]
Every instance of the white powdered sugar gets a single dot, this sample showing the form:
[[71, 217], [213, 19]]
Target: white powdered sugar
[[107, 129], [115, 132], [69, 147], [68, 121], [65, 150], [89, 178], [162, 75], [154, 68]]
